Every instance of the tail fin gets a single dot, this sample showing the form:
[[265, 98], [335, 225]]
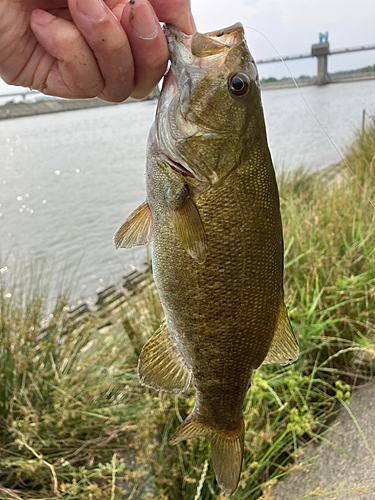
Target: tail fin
[[227, 455], [226, 450]]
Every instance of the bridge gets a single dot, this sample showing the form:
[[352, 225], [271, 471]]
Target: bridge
[[42, 104], [22, 93], [321, 51]]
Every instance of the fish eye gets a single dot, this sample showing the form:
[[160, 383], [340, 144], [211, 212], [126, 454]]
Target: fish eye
[[239, 84]]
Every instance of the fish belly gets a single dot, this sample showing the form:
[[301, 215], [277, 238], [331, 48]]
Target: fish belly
[[222, 313]]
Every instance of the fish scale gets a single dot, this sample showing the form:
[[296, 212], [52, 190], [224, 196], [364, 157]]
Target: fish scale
[[212, 212]]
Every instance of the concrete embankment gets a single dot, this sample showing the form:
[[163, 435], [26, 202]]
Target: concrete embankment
[[111, 301], [342, 464], [287, 84], [21, 109], [43, 107]]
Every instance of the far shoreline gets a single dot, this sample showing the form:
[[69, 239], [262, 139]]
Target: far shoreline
[[23, 109], [307, 82]]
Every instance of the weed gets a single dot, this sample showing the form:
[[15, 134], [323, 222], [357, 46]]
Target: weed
[[75, 422]]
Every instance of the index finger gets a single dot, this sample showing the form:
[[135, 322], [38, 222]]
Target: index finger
[[176, 12]]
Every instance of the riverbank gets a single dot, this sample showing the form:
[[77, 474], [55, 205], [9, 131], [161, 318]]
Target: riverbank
[[307, 82], [341, 465], [75, 422], [22, 109]]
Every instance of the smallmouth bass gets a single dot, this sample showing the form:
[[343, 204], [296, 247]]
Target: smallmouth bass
[[213, 213]]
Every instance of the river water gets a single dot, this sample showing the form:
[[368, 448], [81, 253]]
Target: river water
[[67, 180]]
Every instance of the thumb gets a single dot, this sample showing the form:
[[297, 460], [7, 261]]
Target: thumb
[[177, 12]]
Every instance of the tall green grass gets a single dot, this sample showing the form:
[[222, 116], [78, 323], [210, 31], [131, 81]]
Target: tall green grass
[[75, 422]]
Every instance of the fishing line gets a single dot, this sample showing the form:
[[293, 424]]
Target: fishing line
[[315, 117]]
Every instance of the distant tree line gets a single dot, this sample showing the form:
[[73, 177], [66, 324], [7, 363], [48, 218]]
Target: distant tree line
[[366, 69]]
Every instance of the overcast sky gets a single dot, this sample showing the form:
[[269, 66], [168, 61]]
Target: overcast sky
[[292, 26]]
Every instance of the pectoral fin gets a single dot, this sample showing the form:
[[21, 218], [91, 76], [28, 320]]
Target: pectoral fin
[[189, 228], [187, 222], [137, 228], [161, 365], [284, 346], [185, 215]]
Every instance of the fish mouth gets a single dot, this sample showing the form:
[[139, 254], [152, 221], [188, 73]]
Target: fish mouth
[[202, 45], [202, 52], [205, 54], [193, 58]]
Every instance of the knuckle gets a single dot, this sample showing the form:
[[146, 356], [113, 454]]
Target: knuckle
[[117, 91], [105, 96], [88, 92], [109, 37], [70, 38], [141, 93], [113, 45], [157, 64], [81, 78]]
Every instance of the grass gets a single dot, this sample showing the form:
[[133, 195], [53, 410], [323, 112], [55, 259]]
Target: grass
[[75, 422]]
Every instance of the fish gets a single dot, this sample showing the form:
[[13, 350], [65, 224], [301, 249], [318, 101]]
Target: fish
[[212, 212]]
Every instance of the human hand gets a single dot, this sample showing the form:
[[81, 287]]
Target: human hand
[[88, 48]]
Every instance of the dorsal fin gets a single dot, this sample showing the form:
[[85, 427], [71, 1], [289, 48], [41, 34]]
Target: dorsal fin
[[137, 229]]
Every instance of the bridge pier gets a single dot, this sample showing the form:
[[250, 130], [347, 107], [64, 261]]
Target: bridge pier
[[322, 75], [321, 51]]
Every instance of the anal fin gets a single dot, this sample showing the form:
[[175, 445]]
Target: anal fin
[[137, 229], [284, 347], [190, 429], [161, 365]]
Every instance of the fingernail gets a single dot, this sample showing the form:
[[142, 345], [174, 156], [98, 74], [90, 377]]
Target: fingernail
[[42, 17], [193, 27], [143, 20], [94, 9]]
